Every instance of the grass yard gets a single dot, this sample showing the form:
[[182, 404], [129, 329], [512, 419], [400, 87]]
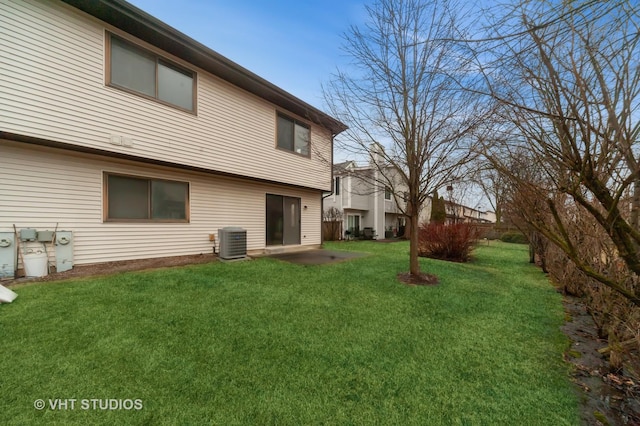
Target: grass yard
[[267, 342]]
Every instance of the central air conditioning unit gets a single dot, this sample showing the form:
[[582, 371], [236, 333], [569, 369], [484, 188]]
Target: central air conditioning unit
[[233, 243]]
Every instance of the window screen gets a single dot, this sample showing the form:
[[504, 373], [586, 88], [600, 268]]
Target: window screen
[[293, 135], [143, 72], [132, 198]]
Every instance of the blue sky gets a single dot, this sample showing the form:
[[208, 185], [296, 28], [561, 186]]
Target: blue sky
[[294, 45]]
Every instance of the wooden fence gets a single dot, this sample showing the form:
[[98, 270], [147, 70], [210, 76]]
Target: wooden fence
[[332, 230]]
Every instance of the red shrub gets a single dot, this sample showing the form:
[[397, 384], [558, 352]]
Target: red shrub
[[447, 242]]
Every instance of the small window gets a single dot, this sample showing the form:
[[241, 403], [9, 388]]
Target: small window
[[139, 199], [136, 70], [337, 186], [293, 135], [387, 193]]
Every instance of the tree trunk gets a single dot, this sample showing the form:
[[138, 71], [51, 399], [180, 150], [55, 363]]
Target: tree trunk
[[407, 225], [635, 205], [532, 253], [414, 265]]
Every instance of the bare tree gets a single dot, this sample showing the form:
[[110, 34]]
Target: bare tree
[[494, 186], [524, 197], [568, 79], [399, 97]]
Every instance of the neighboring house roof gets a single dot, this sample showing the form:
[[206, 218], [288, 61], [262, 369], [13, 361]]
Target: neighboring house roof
[[350, 167], [341, 168], [129, 18]]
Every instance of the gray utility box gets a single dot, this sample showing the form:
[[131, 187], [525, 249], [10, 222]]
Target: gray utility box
[[28, 234], [8, 255], [45, 236], [64, 250], [233, 243]]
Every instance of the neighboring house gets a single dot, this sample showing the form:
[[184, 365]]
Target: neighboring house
[[142, 141], [366, 203], [458, 213]]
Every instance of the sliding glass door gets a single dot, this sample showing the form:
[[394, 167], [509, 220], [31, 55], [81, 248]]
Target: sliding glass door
[[282, 220]]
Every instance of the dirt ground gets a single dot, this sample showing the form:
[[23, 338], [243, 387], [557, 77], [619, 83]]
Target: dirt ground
[[83, 271], [608, 398]]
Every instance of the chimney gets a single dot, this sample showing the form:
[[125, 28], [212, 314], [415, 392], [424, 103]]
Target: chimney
[[376, 157]]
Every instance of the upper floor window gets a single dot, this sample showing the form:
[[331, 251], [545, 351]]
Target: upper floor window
[[293, 135], [337, 185], [131, 198], [387, 193], [139, 71]]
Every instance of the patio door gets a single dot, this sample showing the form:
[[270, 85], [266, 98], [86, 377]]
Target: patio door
[[353, 224], [282, 220]]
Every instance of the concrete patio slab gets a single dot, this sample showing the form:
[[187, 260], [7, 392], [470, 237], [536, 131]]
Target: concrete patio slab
[[316, 256]]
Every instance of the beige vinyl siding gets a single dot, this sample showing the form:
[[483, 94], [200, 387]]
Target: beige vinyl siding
[[52, 84], [40, 187]]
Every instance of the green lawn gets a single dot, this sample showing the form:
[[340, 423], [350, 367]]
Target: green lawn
[[267, 342]]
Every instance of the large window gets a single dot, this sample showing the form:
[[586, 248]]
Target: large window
[[293, 135], [139, 199], [137, 70]]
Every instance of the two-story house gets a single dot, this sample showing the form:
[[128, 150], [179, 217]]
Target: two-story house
[[365, 201], [143, 142]]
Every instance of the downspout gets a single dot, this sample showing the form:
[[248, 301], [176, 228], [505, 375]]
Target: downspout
[[376, 198], [322, 211], [325, 196]]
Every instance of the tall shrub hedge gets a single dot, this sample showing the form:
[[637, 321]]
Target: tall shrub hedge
[[452, 242]]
